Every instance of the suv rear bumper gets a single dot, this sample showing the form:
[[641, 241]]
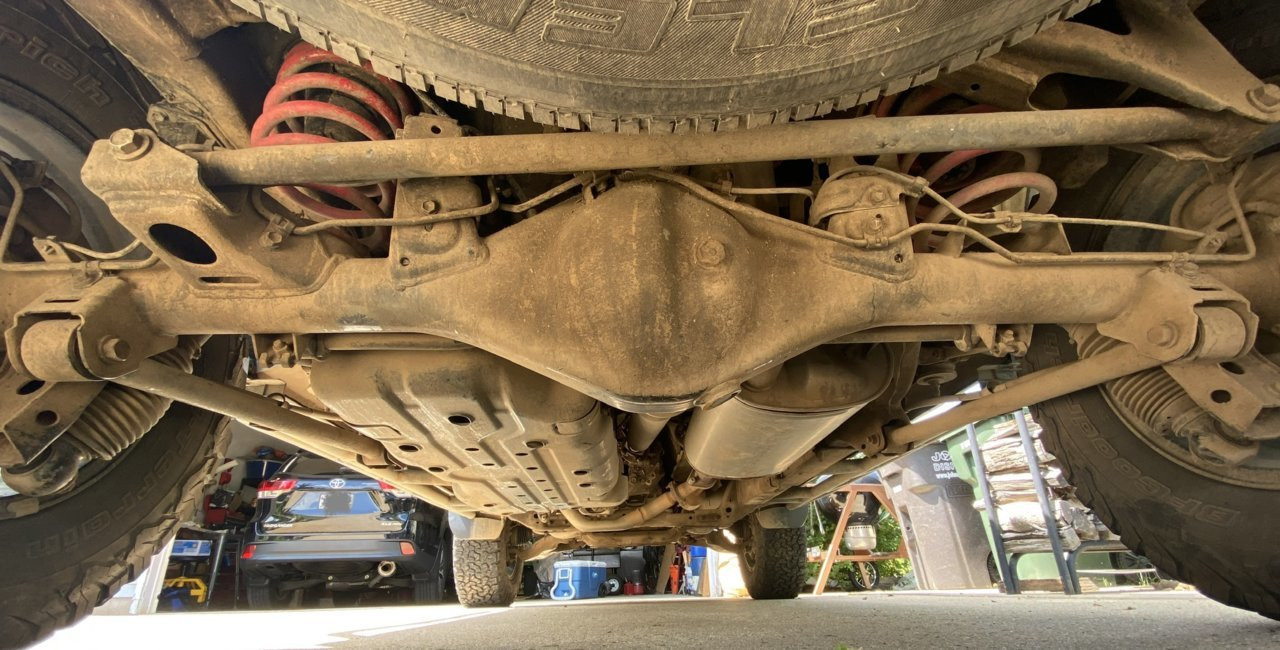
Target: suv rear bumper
[[265, 555]]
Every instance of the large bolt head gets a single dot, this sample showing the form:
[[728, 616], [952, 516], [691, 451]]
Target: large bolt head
[[128, 144], [1265, 97]]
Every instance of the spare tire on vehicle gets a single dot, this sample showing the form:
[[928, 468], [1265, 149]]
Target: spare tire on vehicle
[[663, 65]]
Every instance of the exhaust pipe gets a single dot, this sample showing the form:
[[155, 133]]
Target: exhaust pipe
[[386, 569]]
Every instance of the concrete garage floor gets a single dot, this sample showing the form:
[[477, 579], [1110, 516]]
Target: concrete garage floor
[[879, 620]]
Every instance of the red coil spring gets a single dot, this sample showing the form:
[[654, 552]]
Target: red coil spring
[[339, 101], [972, 179]]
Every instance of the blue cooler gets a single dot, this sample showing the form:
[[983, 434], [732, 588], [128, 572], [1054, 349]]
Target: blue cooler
[[577, 579], [697, 556]]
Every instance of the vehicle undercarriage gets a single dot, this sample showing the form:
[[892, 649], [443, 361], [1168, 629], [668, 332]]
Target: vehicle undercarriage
[[613, 339]]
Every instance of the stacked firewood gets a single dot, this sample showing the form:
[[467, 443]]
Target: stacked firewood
[[1021, 519]]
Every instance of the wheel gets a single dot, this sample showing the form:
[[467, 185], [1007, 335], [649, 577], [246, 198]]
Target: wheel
[[427, 591], [654, 572], [1202, 528], [266, 594], [486, 573], [1127, 561], [612, 587], [69, 552], [772, 560], [102, 533], [529, 583], [1197, 527], [445, 561], [663, 65], [434, 586], [873, 574]]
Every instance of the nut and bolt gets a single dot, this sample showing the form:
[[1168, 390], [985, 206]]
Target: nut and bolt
[[272, 239], [1265, 97], [430, 207], [281, 353], [878, 194], [709, 253], [113, 348], [1163, 335], [128, 144]]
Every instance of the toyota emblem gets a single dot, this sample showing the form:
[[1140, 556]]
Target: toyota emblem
[[337, 483]]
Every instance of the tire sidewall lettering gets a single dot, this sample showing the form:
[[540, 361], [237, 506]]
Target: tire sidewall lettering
[[639, 26]]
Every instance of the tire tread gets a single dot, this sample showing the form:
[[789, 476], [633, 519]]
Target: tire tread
[[780, 568], [57, 606], [478, 573], [494, 100]]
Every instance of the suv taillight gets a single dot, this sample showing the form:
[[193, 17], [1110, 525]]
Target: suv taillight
[[395, 491], [271, 489]]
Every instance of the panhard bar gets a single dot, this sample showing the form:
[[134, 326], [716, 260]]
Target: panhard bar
[[576, 152]]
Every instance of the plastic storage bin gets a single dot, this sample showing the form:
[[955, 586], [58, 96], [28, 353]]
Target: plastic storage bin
[[578, 579]]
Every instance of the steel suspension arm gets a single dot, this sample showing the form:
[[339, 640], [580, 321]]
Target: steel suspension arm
[[1029, 389], [158, 379], [346, 447]]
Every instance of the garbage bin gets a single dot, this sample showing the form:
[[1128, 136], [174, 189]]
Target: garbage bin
[[944, 535]]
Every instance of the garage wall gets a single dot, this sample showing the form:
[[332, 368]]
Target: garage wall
[[245, 442]]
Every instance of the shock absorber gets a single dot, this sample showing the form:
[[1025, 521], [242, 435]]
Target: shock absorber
[[319, 97]]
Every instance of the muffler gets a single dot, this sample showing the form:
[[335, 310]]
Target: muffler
[[784, 412]]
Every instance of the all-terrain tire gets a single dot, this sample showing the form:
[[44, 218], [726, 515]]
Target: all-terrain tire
[[663, 65], [65, 555], [70, 553], [485, 572], [772, 560], [49, 51], [1217, 536]]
